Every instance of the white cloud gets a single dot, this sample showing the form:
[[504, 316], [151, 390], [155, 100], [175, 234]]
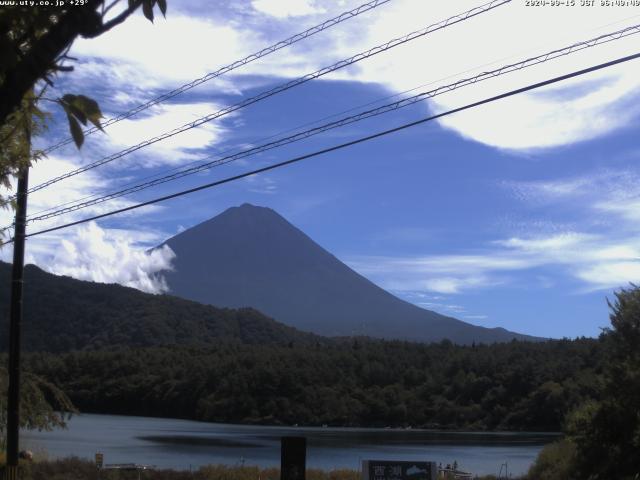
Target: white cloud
[[564, 114], [611, 274], [448, 285], [167, 52], [595, 260], [262, 184], [607, 202], [627, 208], [444, 274], [62, 192], [456, 263], [286, 8], [97, 255], [544, 191], [444, 306], [525, 121], [182, 48], [440, 303], [175, 150], [614, 193], [443, 285], [582, 252], [73, 189], [554, 243], [139, 60], [88, 252]]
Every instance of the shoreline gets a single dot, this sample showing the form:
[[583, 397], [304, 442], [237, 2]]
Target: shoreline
[[184, 444], [410, 428]]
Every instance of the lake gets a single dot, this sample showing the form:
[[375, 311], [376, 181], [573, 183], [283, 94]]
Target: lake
[[184, 444]]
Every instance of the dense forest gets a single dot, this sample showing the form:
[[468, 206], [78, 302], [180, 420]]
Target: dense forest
[[515, 386], [115, 350]]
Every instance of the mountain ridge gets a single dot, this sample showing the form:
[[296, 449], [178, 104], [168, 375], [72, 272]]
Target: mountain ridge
[[64, 314]]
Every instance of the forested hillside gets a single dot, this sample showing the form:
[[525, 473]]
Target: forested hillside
[[116, 350], [521, 386], [62, 314]]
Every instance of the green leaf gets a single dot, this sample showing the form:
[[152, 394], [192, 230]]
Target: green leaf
[[90, 108], [88, 105], [83, 108], [147, 9], [96, 123], [68, 99], [76, 130], [69, 102], [163, 7], [79, 114]]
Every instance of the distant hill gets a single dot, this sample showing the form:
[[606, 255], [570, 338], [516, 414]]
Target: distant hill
[[251, 256], [62, 314]]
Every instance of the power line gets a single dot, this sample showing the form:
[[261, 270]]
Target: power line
[[282, 132], [228, 68], [343, 145], [286, 86], [529, 62], [254, 141], [281, 88]]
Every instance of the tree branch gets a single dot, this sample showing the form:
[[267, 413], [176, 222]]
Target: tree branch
[[42, 57], [37, 62], [106, 9], [114, 21]]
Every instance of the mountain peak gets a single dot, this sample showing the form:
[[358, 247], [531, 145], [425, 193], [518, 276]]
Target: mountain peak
[[251, 256], [247, 210], [250, 207], [247, 205]]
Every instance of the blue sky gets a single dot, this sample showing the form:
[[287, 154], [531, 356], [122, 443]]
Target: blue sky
[[521, 214]]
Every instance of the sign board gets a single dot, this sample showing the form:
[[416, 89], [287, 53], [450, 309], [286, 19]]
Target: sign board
[[398, 470], [99, 460]]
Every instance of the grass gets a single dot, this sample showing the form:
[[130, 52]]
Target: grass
[[73, 468]]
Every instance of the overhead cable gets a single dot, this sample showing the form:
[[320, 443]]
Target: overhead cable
[[529, 62], [342, 145], [232, 66], [281, 88]]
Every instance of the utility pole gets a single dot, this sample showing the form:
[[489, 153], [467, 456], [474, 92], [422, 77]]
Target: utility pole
[[15, 316]]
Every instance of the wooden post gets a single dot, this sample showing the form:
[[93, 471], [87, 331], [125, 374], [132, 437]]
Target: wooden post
[[293, 458], [15, 321]]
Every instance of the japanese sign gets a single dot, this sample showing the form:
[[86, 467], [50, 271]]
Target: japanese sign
[[398, 470]]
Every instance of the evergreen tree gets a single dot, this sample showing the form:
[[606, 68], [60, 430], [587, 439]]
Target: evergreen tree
[[607, 433]]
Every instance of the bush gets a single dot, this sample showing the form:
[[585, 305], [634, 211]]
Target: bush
[[555, 462]]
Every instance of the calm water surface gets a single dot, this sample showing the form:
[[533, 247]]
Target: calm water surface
[[184, 444]]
